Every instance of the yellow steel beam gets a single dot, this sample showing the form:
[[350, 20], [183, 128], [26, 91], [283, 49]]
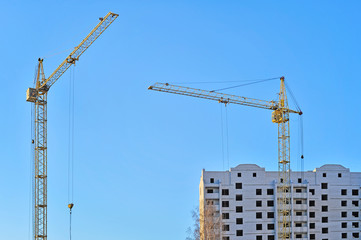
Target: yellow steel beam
[[79, 50]]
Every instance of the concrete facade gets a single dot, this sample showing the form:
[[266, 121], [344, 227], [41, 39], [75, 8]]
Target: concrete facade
[[325, 202]]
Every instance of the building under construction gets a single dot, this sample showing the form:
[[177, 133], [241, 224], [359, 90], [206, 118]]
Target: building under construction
[[324, 203]]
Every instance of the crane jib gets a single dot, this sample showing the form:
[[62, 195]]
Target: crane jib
[[80, 49], [219, 97]]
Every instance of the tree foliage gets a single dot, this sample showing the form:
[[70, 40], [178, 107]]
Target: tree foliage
[[206, 224]]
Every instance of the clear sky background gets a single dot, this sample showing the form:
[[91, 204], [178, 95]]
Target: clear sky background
[[139, 153]]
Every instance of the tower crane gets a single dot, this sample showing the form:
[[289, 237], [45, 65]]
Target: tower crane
[[280, 115], [38, 96]]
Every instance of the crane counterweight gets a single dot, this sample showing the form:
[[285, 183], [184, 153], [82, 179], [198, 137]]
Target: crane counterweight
[[31, 95]]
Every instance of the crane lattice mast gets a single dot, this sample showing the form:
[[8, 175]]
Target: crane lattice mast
[[38, 96], [280, 115]]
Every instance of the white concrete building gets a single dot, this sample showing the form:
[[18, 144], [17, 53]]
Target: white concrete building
[[325, 202]]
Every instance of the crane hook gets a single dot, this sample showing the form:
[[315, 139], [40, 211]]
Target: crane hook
[[70, 206]]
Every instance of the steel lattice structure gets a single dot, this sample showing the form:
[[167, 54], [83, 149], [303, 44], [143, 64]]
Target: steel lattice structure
[[38, 96], [40, 146], [280, 115]]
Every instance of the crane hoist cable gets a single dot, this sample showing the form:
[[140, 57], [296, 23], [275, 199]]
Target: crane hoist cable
[[31, 169], [300, 119], [71, 130], [301, 145], [71, 144], [32, 160], [227, 138], [224, 137], [249, 82], [70, 206], [300, 129]]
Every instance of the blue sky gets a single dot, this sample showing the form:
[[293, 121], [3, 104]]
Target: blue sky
[[139, 153]]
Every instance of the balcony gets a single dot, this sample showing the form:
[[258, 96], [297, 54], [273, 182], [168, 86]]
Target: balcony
[[212, 185], [300, 195], [300, 206], [212, 196], [300, 230], [300, 218]]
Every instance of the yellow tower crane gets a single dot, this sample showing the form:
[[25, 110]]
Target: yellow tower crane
[[280, 115], [38, 96]]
